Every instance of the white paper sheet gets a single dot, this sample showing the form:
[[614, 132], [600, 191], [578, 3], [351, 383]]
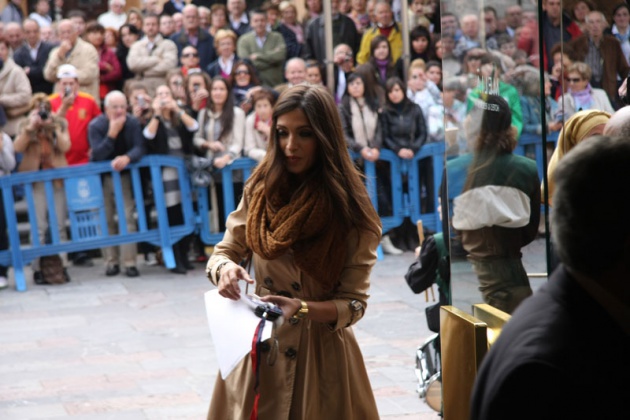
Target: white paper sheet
[[232, 326]]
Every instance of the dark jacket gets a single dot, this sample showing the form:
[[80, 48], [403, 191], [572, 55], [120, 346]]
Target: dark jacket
[[214, 69], [103, 147], [614, 62], [205, 46], [314, 40], [170, 9], [22, 58], [559, 344], [159, 144], [294, 48], [403, 129]]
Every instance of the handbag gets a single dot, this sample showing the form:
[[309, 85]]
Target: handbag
[[200, 170], [423, 272]]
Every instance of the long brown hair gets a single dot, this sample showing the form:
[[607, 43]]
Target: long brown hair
[[333, 169]]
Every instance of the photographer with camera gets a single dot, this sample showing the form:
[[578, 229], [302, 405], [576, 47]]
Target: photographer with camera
[[43, 140]]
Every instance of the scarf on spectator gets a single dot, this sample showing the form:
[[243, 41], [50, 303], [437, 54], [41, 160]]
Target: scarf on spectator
[[300, 219], [583, 98], [363, 122], [381, 66]]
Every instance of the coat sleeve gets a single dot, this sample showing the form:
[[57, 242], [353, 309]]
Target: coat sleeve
[[115, 73], [238, 134], [20, 93], [276, 55], [88, 71], [53, 62], [134, 131], [138, 62], [102, 145], [352, 295]]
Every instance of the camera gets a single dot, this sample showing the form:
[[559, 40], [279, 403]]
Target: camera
[[43, 111], [196, 87], [67, 91], [141, 102]]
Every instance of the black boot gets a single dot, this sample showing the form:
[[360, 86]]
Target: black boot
[[179, 266], [184, 248]]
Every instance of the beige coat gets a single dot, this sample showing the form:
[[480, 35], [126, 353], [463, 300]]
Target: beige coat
[[28, 144], [85, 58], [319, 371], [15, 92], [151, 66]]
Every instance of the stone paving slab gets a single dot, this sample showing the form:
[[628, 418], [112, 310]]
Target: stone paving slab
[[139, 348]]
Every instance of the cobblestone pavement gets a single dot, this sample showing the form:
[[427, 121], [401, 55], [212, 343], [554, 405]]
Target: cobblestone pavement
[[139, 348]]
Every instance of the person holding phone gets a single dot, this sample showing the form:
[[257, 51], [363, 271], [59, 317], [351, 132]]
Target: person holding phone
[[307, 221]]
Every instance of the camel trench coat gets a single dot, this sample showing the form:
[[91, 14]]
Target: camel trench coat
[[317, 371]]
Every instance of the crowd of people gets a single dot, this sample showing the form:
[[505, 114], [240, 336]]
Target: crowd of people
[[203, 77]]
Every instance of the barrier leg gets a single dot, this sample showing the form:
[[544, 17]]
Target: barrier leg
[[14, 241], [163, 223]]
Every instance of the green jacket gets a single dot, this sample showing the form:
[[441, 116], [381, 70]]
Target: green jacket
[[511, 95], [270, 58]]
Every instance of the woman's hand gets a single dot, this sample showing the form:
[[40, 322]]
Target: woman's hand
[[216, 146], [289, 306], [405, 153], [370, 154], [231, 273], [221, 162]]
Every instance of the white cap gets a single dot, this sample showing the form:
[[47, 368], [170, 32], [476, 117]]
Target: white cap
[[67, 71]]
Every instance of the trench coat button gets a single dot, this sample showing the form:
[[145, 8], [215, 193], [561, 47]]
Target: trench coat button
[[285, 294], [264, 347], [293, 321], [296, 286], [268, 281], [291, 353]]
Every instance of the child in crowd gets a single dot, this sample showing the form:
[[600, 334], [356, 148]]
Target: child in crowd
[[314, 72]]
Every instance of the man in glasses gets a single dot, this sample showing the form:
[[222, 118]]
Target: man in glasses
[[151, 57], [192, 34]]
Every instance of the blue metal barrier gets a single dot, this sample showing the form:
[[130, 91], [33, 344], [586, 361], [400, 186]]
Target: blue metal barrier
[[229, 201], [86, 214], [527, 139]]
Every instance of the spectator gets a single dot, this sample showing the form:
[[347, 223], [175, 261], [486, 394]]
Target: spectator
[[621, 28], [78, 109], [135, 17], [109, 67], [197, 91], [344, 65], [470, 35], [112, 40], [115, 17], [450, 64], [509, 221], [140, 102], [178, 22], [204, 18], [117, 136], [344, 32], [532, 106], [7, 163], [513, 19], [562, 60], [381, 60], [129, 34], [454, 115], [265, 49], [288, 14], [359, 15], [506, 45], [170, 132], [422, 91], [79, 19], [151, 6], [15, 91], [244, 79], [491, 68], [314, 72], [221, 137], [581, 95], [586, 298], [43, 141], [193, 35], [12, 12], [404, 133], [172, 7], [314, 9], [258, 125], [294, 49], [225, 45], [82, 55], [603, 55], [190, 60], [218, 19], [237, 16], [387, 27], [421, 44], [557, 27], [167, 27], [490, 18], [450, 26], [152, 57], [49, 33], [433, 70], [13, 34], [580, 10], [294, 73], [32, 57], [416, 14], [41, 15], [56, 11], [175, 82]]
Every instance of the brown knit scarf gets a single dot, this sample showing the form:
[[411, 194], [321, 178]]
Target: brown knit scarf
[[301, 220]]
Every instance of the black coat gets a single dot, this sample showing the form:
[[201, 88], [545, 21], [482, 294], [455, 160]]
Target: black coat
[[314, 40], [561, 356], [22, 58], [404, 129], [159, 144]]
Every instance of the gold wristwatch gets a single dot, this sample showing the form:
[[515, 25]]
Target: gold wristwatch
[[302, 312]]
